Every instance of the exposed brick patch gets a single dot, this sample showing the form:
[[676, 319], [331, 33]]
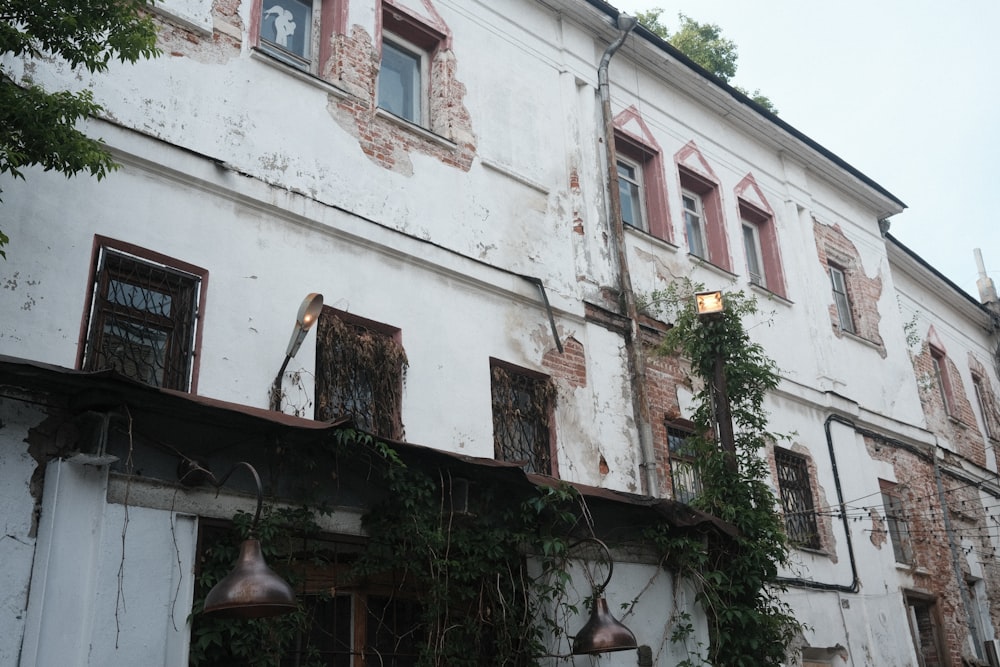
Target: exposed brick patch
[[824, 520], [933, 564], [570, 366], [663, 375], [834, 248], [959, 425]]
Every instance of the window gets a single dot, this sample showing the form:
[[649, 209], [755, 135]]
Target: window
[[685, 479], [939, 365], [845, 319], [631, 193], [360, 369], [701, 206], [401, 80], [694, 223], [795, 491], [760, 245], [985, 411], [922, 615], [286, 30], [896, 523], [523, 403], [143, 317], [349, 621]]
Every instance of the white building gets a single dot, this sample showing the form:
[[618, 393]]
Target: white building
[[437, 171]]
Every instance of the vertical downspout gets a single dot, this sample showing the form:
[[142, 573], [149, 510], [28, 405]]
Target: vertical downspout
[[633, 341]]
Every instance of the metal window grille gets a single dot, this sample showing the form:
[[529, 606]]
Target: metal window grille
[[521, 408], [898, 526], [142, 321], [796, 499], [359, 373]]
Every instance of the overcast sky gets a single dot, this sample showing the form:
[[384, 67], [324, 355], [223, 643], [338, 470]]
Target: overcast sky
[[906, 91]]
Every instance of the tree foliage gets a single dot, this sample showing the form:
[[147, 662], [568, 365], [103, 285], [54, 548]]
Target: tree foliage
[[37, 126], [750, 625], [705, 45]]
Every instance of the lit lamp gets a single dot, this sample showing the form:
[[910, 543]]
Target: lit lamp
[[602, 633], [709, 304], [308, 312], [252, 589]]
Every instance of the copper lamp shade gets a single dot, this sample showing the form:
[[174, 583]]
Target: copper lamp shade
[[603, 632], [251, 590]]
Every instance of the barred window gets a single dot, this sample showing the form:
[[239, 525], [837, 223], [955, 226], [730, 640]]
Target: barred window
[[142, 320], [897, 523], [360, 370], [796, 498], [685, 479], [522, 407]]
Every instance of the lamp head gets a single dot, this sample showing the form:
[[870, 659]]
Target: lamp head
[[709, 304], [603, 632], [309, 311], [251, 590]]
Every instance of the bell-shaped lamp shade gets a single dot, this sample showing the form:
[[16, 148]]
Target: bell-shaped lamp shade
[[603, 632], [251, 590], [306, 317]]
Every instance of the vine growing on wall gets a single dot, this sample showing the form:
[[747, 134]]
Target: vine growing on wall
[[737, 584]]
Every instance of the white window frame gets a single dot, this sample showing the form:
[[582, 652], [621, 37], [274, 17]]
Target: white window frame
[[755, 258], [838, 283], [308, 60], [421, 95], [694, 222], [638, 190]]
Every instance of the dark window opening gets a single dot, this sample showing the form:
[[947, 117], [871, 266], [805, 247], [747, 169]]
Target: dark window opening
[[684, 476], [796, 499], [522, 407]]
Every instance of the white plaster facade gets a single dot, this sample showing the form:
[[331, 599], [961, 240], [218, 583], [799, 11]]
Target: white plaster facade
[[260, 174]]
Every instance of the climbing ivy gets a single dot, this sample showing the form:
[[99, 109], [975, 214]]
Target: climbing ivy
[[736, 578]]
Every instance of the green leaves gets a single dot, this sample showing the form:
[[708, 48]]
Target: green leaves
[[38, 127]]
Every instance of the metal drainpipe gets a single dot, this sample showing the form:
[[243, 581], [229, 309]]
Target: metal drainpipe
[[633, 342]]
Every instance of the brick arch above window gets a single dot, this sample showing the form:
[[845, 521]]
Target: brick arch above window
[[760, 237], [701, 207], [639, 149]]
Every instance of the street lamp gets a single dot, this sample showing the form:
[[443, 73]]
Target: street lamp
[[712, 306], [309, 311], [603, 632]]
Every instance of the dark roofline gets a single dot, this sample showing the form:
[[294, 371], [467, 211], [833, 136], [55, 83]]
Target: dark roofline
[[937, 274], [665, 46]]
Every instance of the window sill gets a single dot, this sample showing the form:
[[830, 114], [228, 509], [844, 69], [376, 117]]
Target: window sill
[[856, 337], [300, 74], [419, 130], [771, 296], [721, 270], [647, 237]]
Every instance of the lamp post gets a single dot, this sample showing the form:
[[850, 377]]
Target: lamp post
[[602, 633], [309, 311], [711, 306]]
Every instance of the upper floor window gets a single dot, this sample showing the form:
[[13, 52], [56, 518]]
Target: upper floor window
[[286, 30], [841, 299], [401, 79], [360, 369], [979, 385], [523, 403], [631, 194], [760, 245], [683, 475], [755, 259], [143, 317], [694, 223], [896, 522], [796, 494], [939, 364]]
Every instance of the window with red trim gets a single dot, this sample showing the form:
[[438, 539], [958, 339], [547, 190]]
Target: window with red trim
[[760, 245], [642, 187], [405, 78], [939, 364], [297, 32], [703, 222]]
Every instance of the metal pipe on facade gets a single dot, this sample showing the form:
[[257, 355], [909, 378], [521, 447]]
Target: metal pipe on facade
[[633, 341]]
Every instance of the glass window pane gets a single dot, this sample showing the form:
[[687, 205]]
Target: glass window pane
[[288, 25], [399, 82]]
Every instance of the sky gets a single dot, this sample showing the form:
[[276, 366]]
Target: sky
[[905, 91]]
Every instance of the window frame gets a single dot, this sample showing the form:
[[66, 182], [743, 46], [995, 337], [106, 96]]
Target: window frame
[[842, 298], [765, 249], [645, 155], [697, 214], [308, 61], [897, 523], [796, 496], [755, 257], [542, 457], [328, 19], [420, 96], [714, 237], [180, 363], [942, 376], [638, 199], [978, 382], [682, 468]]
